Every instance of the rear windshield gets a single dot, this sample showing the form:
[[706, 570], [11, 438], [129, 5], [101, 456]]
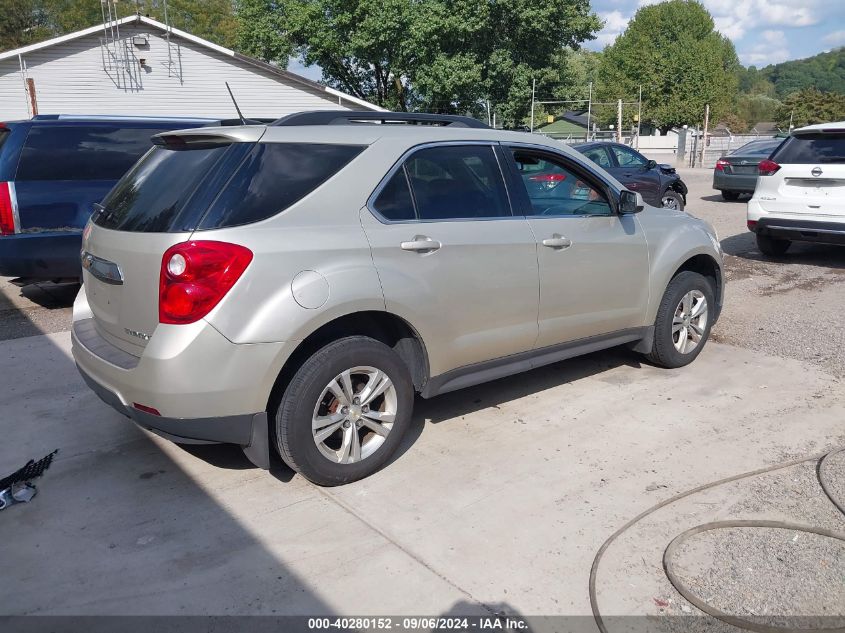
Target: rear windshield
[[151, 196], [273, 177], [756, 149], [54, 152], [807, 149], [254, 181]]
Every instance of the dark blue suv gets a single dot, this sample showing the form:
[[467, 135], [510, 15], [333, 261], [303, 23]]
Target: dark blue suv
[[53, 169]]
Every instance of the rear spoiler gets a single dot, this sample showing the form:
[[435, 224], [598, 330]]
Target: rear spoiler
[[204, 138]]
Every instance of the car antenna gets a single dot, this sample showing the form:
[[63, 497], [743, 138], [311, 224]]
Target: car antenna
[[240, 114]]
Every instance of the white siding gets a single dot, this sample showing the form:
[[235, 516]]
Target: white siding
[[70, 79]]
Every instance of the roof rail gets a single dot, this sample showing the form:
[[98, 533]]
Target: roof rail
[[352, 117]]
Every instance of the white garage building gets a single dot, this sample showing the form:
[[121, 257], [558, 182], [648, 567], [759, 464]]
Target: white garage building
[[138, 66]]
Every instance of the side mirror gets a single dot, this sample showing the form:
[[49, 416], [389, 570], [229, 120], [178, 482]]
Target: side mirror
[[651, 164], [630, 202]]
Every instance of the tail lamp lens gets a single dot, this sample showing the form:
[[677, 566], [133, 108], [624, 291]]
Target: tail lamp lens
[[195, 276], [752, 225], [721, 164], [7, 210], [767, 167]]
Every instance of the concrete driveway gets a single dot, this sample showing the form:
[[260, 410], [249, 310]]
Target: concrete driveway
[[497, 502]]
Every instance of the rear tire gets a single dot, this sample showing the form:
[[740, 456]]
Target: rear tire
[[671, 199], [329, 426], [730, 196], [683, 321], [772, 246]]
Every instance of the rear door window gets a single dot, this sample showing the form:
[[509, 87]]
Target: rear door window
[[457, 182], [96, 152], [273, 177], [807, 149], [599, 156], [394, 203], [152, 195]]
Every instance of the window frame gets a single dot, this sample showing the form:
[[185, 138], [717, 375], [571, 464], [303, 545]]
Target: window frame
[[409, 153], [581, 170]]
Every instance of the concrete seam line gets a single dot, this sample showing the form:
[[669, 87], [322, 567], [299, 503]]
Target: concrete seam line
[[403, 549]]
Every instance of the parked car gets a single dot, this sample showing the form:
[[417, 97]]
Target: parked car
[[659, 185], [53, 168], [737, 172], [800, 194], [294, 285]]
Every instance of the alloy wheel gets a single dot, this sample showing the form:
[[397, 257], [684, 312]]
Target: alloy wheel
[[354, 414], [689, 322]]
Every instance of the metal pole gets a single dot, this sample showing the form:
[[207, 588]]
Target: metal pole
[[639, 116], [619, 121], [533, 88], [589, 110], [704, 136]]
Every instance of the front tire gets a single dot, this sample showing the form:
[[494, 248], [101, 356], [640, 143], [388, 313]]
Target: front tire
[[683, 321], [772, 246], [344, 412], [671, 199]]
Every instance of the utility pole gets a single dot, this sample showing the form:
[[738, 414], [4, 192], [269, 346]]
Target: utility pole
[[589, 109], [533, 88], [639, 116], [619, 121], [704, 137]]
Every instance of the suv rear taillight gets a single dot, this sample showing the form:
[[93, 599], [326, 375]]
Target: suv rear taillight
[[195, 276], [768, 167], [8, 226], [721, 164]]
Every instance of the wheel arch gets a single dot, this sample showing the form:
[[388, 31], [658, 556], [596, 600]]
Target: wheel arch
[[698, 261], [383, 326]]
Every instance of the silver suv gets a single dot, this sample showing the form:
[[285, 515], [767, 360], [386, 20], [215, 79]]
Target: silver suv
[[293, 285]]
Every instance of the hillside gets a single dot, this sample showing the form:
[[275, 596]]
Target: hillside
[[825, 72]]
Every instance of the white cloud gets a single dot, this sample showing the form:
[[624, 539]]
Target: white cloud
[[614, 23], [836, 38], [735, 18], [772, 48]]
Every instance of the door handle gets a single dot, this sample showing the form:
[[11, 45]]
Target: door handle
[[421, 244], [557, 241]]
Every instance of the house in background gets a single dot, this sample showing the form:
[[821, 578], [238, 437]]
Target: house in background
[[569, 124], [139, 66]]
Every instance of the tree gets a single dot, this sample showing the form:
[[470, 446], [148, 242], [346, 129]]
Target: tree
[[682, 63], [810, 106], [438, 55]]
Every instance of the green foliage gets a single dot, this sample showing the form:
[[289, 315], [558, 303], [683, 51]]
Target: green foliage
[[682, 63], [825, 72], [29, 21], [753, 108], [436, 55], [810, 106]]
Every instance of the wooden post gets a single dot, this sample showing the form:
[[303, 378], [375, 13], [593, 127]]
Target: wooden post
[[704, 136], [33, 100]]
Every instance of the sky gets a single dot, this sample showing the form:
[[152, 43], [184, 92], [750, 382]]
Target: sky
[[763, 31]]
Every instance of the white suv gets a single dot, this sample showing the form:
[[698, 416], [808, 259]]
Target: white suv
[[800, 194]]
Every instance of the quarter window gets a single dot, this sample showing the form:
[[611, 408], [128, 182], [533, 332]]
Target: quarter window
[[54, 152], [556, 190]]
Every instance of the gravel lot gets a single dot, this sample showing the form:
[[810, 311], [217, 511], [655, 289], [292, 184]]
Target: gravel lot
[[789, 307]]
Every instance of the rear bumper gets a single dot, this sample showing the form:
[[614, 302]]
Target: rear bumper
[[802, 230], [43, 255], [249, 431], [734, 182]]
